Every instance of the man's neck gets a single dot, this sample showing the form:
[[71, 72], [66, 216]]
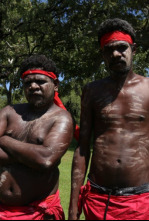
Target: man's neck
[[41, 109], [32, 113], [123, 78]]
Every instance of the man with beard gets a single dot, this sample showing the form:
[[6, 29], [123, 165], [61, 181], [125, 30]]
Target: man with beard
[[33, 138], [116, 110]]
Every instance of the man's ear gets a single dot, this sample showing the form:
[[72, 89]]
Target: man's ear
[[134, 48], [56, 84], [102, 54]]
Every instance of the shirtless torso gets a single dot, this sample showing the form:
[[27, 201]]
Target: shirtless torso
[[121, 138], [29, 175]]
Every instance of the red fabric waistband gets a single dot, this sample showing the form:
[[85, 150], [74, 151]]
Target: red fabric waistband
[[34, 211]]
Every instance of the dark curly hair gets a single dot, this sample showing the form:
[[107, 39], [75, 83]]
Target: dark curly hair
[[115, 24], [38, 61]]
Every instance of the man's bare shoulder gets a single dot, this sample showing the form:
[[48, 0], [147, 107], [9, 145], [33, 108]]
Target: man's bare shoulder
[[143, 80], [98, 84], [7, 109], [141, 77], [61, 118], [14, 111], [62, 114]]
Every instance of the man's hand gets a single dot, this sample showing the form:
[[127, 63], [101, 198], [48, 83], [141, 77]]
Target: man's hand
[[5, 158], [73, 214]]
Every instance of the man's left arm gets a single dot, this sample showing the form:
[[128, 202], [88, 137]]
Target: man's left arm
[[48, 154]]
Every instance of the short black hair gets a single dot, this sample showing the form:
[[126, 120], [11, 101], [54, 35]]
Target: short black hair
[[38, 61], [115, 24]]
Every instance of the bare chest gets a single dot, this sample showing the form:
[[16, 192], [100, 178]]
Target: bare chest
[[126, 107], [29, 131]]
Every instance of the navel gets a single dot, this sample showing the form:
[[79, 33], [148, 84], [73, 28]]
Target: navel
[[39, 140], [119, 161], [142, 118]]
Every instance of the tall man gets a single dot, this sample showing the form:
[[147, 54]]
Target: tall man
[[116, 110], [33, 138]]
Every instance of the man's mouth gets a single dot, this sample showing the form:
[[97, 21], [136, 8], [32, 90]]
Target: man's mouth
[[35, 94], [118, 63]]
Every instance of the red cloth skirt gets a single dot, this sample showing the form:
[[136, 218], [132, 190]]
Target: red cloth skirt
[[94, 204], [35, 211]]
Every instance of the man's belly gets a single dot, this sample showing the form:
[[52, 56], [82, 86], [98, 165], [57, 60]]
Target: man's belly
[[120, 161], [20, 186]]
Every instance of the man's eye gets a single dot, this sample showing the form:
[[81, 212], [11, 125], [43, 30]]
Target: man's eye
[[123, 48], [26, 84], [40, 82], [107, 51]]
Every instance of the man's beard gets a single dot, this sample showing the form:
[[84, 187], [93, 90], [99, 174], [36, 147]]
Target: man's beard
[[37, 103], [120, 71], [123, 71]]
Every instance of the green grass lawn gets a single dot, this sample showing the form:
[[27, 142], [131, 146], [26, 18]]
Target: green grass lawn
[[65, 179]]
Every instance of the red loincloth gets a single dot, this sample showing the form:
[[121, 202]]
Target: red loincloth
[[35, 211], [132, 207]]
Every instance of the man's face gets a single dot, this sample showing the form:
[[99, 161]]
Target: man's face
[[118, 57], [39, 90]]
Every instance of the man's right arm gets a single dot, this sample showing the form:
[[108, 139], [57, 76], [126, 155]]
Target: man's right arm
[[5, 159], [82, 153]]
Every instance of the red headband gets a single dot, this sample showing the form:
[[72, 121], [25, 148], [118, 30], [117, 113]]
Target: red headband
[[57, 100], [38, 71], [115, 36]]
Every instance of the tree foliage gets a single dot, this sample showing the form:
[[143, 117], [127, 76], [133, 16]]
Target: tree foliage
[[66, 31]]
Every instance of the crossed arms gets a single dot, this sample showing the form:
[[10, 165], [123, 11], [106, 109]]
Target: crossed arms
[[36, 156]]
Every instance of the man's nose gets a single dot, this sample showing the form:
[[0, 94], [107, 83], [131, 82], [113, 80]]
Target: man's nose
[[116, 53], [34, 86]]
